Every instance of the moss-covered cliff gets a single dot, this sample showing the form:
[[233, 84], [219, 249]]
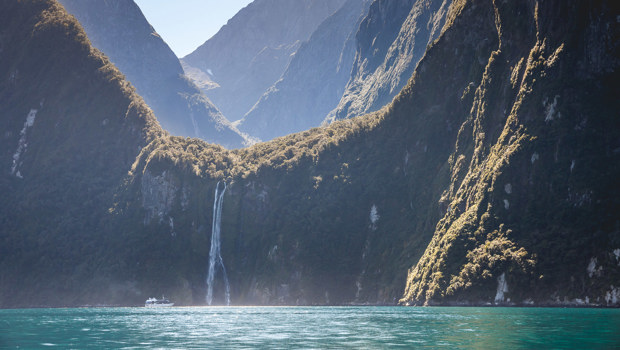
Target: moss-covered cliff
[[529, 210]]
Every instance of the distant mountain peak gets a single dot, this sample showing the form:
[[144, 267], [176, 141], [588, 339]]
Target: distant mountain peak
[[252, 50]]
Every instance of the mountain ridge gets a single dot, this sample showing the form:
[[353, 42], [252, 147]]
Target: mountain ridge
[[391, 41], [122, 32], [348, 67], [313, 81], [440, 197], [71, 125]]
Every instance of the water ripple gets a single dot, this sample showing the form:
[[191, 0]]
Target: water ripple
[[310, 327]]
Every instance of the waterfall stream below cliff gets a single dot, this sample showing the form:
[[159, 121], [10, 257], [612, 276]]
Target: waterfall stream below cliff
[[215, 256]]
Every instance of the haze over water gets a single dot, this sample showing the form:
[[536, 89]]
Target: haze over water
[[311, 327]]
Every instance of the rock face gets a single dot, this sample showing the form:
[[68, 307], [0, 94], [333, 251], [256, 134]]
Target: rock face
[[390, 42], [348, 68], [314, 80], [490, 179], [157, 195], [252, 50], [119, 29], [88, 128], [530, 173]]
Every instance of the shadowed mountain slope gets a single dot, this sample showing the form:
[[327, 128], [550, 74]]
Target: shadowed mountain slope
[[119, 29], [71, 128], [390, 42]]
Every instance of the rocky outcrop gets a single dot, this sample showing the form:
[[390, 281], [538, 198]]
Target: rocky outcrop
[[314, 80], [119, 29], [530, 175], [390, 42], [250, 53], [348, 68], [158, 195]]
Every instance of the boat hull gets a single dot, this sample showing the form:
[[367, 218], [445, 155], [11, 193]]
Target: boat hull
[[159, 305]]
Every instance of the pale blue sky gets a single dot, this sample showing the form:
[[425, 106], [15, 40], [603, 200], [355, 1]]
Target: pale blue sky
[[186, 24]]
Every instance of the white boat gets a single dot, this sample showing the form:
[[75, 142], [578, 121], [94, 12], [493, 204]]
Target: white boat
[[154, 302]]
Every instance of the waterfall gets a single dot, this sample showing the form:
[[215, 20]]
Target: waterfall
[[215, 257]]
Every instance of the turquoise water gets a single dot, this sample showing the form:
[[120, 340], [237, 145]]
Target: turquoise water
[[311, 327]]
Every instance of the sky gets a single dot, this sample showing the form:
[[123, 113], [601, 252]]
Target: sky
[[186, 24]]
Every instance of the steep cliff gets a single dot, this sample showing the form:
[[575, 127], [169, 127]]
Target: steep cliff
[[528, 216], [348, 68], [252, 50], [71, 128], [119, 29], [314, 80], [390, 42]]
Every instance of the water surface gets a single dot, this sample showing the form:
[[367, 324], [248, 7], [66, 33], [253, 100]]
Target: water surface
[[311, 327]]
